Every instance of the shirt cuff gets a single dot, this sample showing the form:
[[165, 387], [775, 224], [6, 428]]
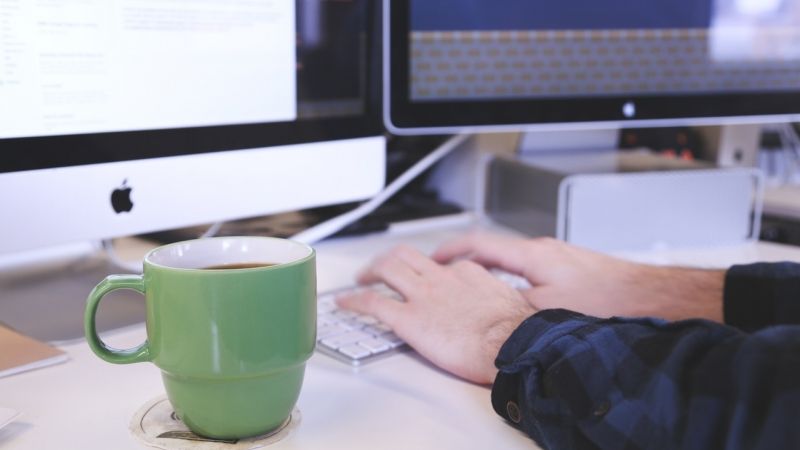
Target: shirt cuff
[[760, 295], [522, 354]]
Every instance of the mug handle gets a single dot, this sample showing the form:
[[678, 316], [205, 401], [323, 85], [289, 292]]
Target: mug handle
[[112, 283]]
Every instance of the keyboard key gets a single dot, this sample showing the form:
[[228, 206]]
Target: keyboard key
[[377, 329], [355, 351], [342, 340], [324, 308], [329, 331], [392, 339], [367, 320], [353, 323], [375, 345], [344, 314], [324, 319]]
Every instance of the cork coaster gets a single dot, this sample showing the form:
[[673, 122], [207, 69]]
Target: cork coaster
[[156, 425]]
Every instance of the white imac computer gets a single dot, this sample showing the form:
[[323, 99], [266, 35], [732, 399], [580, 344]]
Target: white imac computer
[[125, 117]]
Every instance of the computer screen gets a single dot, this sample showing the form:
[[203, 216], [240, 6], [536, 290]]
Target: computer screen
[[458, 64], [196, 111]]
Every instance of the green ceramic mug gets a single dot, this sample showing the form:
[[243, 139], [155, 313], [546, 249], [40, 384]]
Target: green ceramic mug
[[231, 342]]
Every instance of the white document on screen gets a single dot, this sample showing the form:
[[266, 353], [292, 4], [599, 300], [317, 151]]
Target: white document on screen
[[87, 66]]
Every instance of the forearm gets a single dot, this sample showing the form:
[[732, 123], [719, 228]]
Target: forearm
[[748, 297], [678, 293], [582, 382]]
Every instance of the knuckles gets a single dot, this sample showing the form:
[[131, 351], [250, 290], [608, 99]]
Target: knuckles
[[467, 266], [402, 251], [545, 243]]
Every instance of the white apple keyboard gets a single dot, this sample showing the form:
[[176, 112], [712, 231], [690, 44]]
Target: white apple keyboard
[[357, 339]]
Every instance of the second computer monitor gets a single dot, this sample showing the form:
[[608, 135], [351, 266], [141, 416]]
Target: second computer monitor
[[462, 65]]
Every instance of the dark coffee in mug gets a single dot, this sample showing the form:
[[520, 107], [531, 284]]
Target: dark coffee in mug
[[235, 266]]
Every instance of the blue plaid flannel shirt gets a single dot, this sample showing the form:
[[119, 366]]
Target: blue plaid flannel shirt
[[576, 382]]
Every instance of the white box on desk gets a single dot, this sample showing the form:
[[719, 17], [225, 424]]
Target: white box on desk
[[625, 200]]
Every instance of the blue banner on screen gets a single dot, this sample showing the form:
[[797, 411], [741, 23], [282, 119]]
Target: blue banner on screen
[[500, 15]]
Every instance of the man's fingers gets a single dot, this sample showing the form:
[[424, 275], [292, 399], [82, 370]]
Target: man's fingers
[[371, 303], [487, 250], [418, 261], [393, 271], [456, 248], [402, 268]]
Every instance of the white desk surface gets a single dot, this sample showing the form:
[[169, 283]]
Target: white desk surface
[[398, 403]]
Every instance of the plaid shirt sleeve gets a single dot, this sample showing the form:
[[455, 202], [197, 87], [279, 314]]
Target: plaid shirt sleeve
[[576, 382], [762, 295]]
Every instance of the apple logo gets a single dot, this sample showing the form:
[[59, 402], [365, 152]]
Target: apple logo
[[121, 198], [629, 110]]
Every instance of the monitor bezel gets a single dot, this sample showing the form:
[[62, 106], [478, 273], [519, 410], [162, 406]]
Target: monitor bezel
[[403, 116], [35, 153]]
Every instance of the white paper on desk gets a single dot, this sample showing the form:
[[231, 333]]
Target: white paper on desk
[[7, 416]]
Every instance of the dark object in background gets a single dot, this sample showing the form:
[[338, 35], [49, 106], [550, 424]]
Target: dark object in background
[[780, 230], [682, 143]]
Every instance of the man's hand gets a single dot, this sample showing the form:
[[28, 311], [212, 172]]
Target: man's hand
[[458, 316], [569, 277]]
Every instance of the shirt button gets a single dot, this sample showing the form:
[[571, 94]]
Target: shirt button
[[513, 412], [602, 409]]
